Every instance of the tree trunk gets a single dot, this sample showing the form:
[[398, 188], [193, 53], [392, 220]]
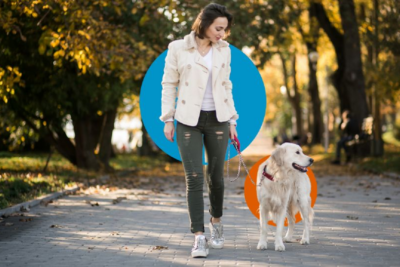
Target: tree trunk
[[295, 98], [145, 149], [353, 79], [317, 127], [348, 79], [336, 39], [378, 148], [105, 138], [85, 143], [62, 144], [296, 102]]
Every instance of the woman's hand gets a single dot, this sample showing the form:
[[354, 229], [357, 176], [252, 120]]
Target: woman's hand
[[232, 131], [169, 130]]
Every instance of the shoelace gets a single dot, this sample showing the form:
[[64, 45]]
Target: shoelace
[[216, 233], [200, 243]]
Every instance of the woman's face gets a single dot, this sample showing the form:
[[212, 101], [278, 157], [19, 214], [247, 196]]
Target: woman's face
[[216, 31]]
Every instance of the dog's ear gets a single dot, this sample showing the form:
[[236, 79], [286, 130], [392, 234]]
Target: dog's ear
[[278, 156]]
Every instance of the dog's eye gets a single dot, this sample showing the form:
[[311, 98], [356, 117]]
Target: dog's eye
[[297, 152]]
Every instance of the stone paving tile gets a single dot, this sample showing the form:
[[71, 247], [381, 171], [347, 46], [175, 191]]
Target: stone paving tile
[[356, 224]]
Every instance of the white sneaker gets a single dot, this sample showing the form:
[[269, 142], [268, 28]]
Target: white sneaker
[[200, 247], [217, 235]]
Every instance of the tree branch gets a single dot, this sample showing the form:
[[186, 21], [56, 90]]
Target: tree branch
[[334, 35]]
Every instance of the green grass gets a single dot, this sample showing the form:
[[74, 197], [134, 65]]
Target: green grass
[[18, 189], [390, 161], [135, 162], [22, 177]]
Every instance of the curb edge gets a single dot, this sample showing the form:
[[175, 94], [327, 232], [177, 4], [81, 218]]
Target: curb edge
[[32, 203]]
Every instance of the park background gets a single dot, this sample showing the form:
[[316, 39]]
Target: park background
[[71, 74]]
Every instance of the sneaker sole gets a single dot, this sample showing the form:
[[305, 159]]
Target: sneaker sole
[[216, 246], [200, 254]]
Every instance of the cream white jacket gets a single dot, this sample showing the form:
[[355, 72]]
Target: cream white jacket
[[186, 70]]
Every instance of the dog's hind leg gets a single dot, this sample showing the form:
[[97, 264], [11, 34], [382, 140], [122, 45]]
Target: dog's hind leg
[[262, 244], [291, 219], [307, 215]]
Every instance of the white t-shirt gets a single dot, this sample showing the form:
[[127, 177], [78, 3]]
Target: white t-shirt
[[208, 103]]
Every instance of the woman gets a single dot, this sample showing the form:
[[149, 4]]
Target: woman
[[199, 65]]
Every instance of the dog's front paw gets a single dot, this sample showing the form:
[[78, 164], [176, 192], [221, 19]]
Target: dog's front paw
[[262, 245], [305, 241], [279, 247]]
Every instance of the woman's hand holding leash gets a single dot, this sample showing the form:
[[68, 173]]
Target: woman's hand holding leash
[[232, 132], [169, 130]]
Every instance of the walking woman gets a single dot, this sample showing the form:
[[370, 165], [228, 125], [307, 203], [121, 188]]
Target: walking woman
[[199, 66]]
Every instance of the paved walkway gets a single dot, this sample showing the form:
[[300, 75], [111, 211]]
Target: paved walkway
[[357, 224]]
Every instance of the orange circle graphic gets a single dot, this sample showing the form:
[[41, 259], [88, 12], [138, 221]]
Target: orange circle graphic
[[250, 192]]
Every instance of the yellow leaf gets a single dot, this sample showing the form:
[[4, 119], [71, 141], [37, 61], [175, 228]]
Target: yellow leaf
[[44, 123], [22, 139], [5, 99], [54, 43], [99, 113], [9, 68]]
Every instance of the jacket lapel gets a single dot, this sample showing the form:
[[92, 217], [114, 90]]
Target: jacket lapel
[[218, 59], [200, 60], [216, 64]]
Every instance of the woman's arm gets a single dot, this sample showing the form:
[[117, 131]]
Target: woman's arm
[[169, 83], [228, 87]]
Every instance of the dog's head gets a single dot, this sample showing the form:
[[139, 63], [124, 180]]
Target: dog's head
[[290, 156]]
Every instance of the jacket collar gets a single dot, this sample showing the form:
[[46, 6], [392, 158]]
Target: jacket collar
[[190, 42]]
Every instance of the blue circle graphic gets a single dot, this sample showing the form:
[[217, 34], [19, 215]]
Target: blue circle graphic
[[248, 94]]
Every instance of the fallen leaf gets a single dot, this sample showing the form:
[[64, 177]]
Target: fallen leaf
[[352, 218], [55, 226], [118, 200], [388, 198], [26, 220], [159, 248], [8, 224]]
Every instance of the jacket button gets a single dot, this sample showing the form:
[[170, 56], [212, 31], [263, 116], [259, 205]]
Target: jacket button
[[183, 102], [226, 100], [223, 83], [186, 83], [223, 65], [189, 66]]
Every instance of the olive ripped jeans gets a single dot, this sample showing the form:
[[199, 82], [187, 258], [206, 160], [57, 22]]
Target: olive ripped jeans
[[190, 140]]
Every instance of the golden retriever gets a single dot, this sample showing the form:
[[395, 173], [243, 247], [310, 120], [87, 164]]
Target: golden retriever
[[283, 188]]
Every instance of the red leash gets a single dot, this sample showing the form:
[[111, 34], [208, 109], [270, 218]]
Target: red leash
[[236, 144]]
